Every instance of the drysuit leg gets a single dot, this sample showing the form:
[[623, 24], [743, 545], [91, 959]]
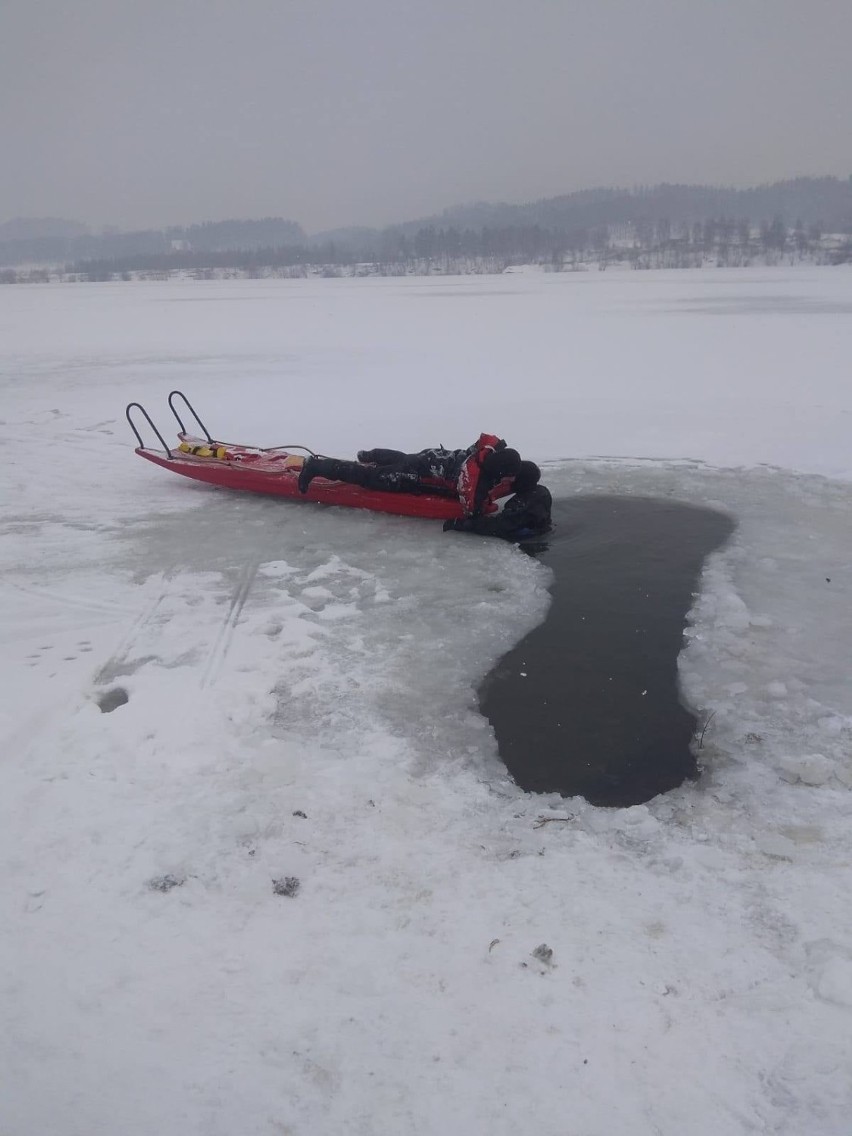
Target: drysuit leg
[[386, 478]]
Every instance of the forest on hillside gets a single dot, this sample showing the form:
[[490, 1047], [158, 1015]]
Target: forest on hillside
[[661, 226]]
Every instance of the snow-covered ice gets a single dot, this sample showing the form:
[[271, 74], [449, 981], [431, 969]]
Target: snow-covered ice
[[205, 693]]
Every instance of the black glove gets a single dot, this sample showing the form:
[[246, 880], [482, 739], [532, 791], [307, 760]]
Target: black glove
[[448, 525], [458, 524]]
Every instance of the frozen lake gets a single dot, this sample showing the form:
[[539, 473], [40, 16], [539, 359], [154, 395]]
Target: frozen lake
[[300, 702]]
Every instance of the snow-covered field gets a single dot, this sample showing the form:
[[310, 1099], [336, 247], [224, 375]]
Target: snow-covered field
[[299, 704]]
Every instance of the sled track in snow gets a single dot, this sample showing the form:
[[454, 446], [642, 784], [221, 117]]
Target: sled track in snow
[[120, 655], [222, 645]]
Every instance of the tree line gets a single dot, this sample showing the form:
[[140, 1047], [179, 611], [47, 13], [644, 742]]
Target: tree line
[[723, 241], [209, 236], [658, 226]]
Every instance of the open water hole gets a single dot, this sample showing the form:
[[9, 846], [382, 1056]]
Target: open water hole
[[589, 703]]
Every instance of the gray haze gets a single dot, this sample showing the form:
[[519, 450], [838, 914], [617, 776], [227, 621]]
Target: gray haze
[[335, 112]]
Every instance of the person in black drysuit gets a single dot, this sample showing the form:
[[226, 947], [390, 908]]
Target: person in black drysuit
[[435, 462], [435, 470], [525, 516]]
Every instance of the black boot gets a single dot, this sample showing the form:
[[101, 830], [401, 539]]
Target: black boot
[[333, 469], [307, 473]]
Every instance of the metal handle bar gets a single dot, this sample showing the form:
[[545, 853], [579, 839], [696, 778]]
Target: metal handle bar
[[191, 410], [133, 427], [217, 442]]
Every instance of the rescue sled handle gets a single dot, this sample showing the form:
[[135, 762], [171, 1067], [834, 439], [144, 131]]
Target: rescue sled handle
[[212, 441], [138, 406], [216, 441], [179, 394]]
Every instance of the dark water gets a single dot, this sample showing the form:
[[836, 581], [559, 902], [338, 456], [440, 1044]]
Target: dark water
[[588, 703]]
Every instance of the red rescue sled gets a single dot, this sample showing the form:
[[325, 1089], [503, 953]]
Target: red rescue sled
[[275, 470]]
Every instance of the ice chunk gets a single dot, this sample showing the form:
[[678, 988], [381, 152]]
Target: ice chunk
[[834, 983], [811, 769]]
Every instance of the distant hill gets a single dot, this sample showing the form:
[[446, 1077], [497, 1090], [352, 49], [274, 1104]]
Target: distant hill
[[354, 236], [222, 236], [824, 201], [589, 219], [38, 228], [33, 244], [574, 219]]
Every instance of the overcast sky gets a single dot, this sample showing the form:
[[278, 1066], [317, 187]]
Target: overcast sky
[[335, 112]]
